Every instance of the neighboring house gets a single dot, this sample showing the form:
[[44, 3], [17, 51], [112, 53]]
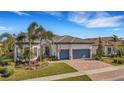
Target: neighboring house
[[108, 44], [68, 47]]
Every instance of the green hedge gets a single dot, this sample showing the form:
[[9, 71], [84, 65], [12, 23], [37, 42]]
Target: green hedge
[[6, 71], [118, 60], [4, 63], [53, 58]]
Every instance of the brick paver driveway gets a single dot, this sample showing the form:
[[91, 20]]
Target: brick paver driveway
[[107, 75], [83, 65]]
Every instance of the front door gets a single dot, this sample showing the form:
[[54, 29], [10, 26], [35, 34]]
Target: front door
[[47, 52]]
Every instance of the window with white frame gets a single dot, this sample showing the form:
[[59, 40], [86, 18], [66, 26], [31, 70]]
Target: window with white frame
[[109, 49]]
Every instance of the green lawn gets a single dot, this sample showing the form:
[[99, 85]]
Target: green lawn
[[77, 78], [52, 69], [109, 60]]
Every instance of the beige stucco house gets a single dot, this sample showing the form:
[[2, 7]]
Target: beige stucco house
[[63, 47]]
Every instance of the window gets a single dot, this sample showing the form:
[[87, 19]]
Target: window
[[47, 51], [109, 50]]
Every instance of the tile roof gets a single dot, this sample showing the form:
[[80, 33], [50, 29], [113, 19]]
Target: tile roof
[[105, 41], [66, 39], [69, 40]]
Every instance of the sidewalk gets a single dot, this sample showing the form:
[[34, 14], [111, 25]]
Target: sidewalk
[[108, 75], [88, 72]]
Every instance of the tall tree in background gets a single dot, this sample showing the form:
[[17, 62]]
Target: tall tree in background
[[118, 50], [8, 41], [100, 49]]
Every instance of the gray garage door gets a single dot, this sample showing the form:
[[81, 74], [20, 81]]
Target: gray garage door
[[81, 53], [64, 54]]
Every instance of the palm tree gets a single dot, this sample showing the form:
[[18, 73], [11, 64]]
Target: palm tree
[[31, 36], [115, 38], [99, 50], [49, 35], [42, 34], [20, 39], [49, 38]]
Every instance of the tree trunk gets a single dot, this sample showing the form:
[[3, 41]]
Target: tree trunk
[[40, 51], [29, 51]]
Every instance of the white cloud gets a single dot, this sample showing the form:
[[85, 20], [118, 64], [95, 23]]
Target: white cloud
[[105, 22], [20, 13], [54, 13], [95, 19], [79, 17], [102, 14], [4, 28]]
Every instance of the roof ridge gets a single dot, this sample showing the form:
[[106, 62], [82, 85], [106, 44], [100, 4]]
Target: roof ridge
[[61, 38], [73, 39]]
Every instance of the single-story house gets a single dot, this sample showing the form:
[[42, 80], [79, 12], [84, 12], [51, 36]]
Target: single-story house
[[68, 47], [63, 47]]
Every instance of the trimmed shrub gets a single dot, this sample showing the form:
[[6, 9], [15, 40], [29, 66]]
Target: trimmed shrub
[[97, 57], [6, 71], [115, 60], [54, 58], [118, 60], [2, 63]]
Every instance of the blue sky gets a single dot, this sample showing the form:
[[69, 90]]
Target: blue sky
[[81, 24]]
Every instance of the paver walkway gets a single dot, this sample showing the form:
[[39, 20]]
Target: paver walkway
[[92, 73]]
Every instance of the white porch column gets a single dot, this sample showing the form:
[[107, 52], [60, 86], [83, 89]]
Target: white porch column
[[37, 52], [105, 50], [58, 51], [70, 53], [91, 52]]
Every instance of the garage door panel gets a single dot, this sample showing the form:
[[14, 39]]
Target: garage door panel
[[81, 53], [64, 54]]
